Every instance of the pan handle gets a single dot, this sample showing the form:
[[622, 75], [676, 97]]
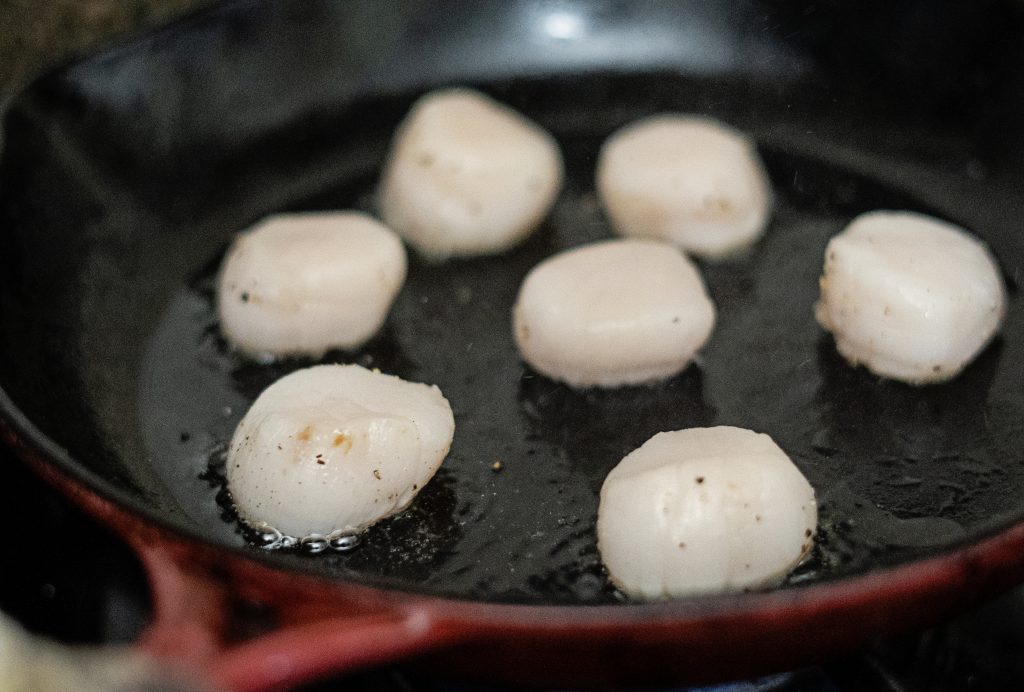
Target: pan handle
[[331, 647], [196, 606], [306, 628]]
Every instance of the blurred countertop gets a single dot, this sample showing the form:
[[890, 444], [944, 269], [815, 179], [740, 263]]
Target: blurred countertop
[[36, 35]]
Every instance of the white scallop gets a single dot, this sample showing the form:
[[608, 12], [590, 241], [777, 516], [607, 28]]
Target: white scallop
[[688, 180], [704, 510], [336, 447], [301, 284], [467, 175], [612, 313], [910, 297]]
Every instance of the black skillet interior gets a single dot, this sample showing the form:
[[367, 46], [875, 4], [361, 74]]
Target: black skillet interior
[[125, 176]]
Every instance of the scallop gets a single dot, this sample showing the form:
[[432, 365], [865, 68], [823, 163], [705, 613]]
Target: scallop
[[467, 175], [688, 180], [336, 448], [910, 297], [612, 313], [301, 284], [704, 510]]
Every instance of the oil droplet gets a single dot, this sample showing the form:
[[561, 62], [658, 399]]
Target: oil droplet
[[343, 541], [267, 537], [314, 543]]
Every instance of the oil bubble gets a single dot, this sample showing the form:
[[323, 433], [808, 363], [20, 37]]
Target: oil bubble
[[343, 541], [314, 543], [267, 537]]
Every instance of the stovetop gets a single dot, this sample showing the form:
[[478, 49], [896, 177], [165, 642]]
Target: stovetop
[[67, 578]]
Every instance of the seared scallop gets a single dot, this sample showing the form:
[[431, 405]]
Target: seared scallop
[[910, 297], [688, 180], [704, 510], [467, 175], [301, 284], [336, 448], [612, 313]]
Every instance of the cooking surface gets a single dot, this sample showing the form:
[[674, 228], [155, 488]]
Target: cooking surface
[[155, 394], [898, 469]]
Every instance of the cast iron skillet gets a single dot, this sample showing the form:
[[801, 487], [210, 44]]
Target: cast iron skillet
[[125, 175]]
